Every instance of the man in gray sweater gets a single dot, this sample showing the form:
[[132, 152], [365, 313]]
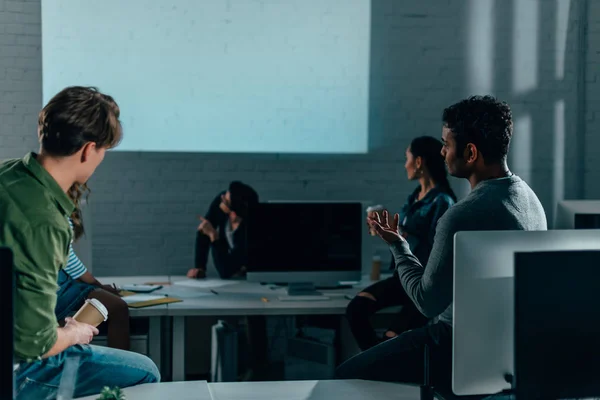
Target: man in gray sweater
[[476, 134]]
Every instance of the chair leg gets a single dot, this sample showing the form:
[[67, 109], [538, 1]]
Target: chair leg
[[427, 393], [426, 389]]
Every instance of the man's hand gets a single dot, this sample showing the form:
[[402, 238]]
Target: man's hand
[[79, 332], [196, 273], [207, 229], [382, 227]]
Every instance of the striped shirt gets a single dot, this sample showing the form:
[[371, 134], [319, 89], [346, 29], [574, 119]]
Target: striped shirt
[[74, 267]]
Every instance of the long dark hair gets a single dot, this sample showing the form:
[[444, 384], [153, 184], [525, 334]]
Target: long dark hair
[[76, 193], [429, 149]]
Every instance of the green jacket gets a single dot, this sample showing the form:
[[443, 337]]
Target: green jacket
[[33, 224]]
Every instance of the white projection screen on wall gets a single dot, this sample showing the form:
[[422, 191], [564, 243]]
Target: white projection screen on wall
[[269, 76]]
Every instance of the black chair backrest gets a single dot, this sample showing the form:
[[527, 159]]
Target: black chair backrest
[[7, 289]]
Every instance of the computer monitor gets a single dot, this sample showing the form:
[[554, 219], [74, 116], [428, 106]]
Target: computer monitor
[[305, 244], [577, 214], [483, 309], [557, 333], [7, 285]]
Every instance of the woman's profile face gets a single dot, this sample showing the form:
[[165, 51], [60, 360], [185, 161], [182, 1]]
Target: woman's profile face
[[410, 165]]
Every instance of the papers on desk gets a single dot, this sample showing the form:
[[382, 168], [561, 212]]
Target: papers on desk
[[136, 298], [205, 283], [141, 288]]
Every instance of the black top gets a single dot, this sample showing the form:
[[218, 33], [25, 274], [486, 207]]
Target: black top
[[418, 219], [228, 260]]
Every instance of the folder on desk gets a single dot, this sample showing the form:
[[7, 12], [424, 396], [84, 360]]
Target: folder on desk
[[148, 303], [144, 300]]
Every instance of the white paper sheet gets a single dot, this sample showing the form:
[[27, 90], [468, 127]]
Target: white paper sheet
[[136, 298], [205, 283]]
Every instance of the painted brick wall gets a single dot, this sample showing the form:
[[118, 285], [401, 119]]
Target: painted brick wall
[[145, 204], [592, 103]]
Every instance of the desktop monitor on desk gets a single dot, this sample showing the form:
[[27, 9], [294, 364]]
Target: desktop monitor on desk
[[557, 332], [305, 244], [483, 308], [577, 214]]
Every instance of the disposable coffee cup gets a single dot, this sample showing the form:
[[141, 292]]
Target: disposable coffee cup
[[376, 268], [371, 212], [92, 312]]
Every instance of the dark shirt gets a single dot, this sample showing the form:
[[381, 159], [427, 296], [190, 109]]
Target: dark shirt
[[418, 219], [228, 259]]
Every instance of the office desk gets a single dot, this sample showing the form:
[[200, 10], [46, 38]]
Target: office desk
[[285, 390], [240, 298], [154, 314]]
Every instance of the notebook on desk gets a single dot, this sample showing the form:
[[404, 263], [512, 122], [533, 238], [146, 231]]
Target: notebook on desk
[[141, 288]]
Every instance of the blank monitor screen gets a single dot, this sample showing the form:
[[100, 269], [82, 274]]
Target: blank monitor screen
[[557, 329], [587, 221], [305, 237]]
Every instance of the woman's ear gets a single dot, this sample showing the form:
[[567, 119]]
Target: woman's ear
[[419, 163]]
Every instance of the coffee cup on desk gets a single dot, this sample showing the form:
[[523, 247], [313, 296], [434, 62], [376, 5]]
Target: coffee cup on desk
[[92, 312], [372, 211]]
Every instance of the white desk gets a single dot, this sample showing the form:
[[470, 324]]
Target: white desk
[[154, 314], [241, 298], [196, 390], [285, 390]]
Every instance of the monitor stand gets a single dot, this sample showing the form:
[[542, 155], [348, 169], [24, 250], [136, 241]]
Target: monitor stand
[[302, 291]]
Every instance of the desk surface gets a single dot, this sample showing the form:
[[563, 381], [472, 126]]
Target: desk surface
[[235, 298], [284, 390]]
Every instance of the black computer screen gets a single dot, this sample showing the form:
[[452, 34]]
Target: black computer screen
[[305, 237], [557, 328], [587, 221]]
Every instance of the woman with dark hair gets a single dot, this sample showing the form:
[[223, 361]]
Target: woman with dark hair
[[222, 232], [418, 218], [76, 284]]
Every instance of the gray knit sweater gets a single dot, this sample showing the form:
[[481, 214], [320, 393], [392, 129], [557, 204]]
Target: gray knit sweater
[[496, 204]]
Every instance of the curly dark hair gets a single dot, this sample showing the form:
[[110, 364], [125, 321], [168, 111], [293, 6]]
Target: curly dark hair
[[484, 121]]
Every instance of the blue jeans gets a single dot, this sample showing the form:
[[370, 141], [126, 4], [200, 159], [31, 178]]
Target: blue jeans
[[98, 367]]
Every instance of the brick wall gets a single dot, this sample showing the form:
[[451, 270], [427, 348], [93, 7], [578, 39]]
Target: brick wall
[[145, 204], [592, 102]]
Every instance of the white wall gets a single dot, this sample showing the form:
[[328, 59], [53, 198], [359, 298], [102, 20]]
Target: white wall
[[425, 55]]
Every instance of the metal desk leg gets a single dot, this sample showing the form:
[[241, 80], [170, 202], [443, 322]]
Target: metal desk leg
[[155, 341], [178, 361]]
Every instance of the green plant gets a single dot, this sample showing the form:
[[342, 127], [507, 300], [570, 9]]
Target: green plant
[[111, 394]]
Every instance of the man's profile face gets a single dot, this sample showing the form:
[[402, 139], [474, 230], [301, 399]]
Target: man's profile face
[[455, 164]]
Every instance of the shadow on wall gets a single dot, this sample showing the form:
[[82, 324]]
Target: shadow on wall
[[529, 53], [424, 56]]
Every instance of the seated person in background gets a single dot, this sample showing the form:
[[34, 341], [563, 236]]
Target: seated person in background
[[476, 135], [75, 129], [222, 230], [418, 219], [76, 284]]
